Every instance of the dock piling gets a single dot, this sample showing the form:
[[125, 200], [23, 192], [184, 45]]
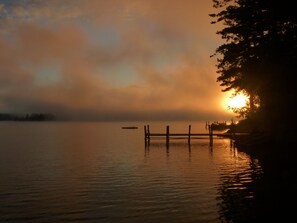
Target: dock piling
[[145, 134], [210, 135], [189, 136], [148, 133], [167, 134]]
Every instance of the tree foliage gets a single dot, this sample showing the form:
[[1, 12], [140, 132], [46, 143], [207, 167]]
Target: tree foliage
[[259, 55]]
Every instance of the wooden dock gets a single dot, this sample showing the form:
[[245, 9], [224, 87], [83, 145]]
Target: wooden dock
[[148, 136]]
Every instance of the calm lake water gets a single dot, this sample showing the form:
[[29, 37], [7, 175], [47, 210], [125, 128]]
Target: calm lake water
[[98, 172]]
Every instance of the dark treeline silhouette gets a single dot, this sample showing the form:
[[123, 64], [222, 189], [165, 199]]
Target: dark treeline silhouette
[[26, 117], [259, 59]]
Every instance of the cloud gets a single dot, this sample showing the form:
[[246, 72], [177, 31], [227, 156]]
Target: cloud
[[60, 57]]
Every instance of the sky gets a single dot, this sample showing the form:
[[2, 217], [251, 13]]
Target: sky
[[110, 59]]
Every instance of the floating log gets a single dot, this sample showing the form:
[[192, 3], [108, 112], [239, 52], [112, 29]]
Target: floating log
[[129, 127]]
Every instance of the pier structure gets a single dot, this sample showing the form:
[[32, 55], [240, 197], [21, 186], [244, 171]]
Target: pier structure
[[189, 136]]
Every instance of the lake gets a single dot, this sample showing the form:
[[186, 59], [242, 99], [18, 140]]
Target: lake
[[99, 172]]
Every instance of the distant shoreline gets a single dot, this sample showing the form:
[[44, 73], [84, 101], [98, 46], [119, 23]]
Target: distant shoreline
[[27, 117]]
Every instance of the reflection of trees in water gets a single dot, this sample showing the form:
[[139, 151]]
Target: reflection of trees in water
[[258, 194], [238, 195]]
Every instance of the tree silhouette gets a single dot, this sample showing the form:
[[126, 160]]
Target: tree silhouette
[[258, 57]]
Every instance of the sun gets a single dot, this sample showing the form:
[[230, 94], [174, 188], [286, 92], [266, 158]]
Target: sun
[[238, 101], [232, 101]]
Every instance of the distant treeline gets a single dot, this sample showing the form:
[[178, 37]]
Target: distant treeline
[[26, 117]]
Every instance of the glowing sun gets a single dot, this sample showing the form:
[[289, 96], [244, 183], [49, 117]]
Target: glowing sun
[[237, 101]]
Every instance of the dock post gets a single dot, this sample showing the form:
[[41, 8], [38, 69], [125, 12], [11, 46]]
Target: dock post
[[145, 135], [189, 136], [167, 134], [210, 135], [148, 134]]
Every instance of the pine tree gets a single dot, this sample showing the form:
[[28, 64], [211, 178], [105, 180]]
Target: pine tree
[[259, 55]]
